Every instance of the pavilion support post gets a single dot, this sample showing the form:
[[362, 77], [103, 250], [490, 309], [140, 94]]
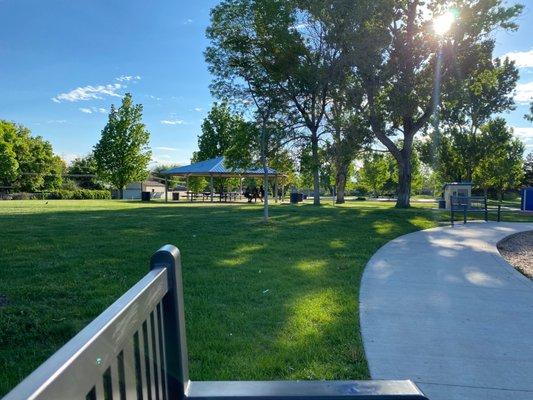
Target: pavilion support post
[[166, 190], [240, 187], [212, 187], [187, 186]]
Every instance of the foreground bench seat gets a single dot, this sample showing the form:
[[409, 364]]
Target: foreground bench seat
[[136, 349]]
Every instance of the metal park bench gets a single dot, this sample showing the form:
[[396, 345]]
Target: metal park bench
[[136, 349], [470, 204]]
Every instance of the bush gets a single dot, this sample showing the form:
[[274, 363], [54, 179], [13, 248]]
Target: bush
[[79, 194], [69, 184], [26, 196], [360, 198]]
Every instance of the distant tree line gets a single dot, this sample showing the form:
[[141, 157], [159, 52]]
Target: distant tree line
[[28, 163]]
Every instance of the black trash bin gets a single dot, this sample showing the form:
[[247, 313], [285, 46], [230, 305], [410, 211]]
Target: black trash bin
[[442, 204], [175, 196], [294, 198], [146, 196]]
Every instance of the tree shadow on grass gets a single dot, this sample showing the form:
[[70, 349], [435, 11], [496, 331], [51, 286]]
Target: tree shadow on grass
[[276, 301]]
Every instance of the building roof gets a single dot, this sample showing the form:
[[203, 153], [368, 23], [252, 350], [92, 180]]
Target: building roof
[[136, 185], [153, 183], [215, 167], [457, 184]]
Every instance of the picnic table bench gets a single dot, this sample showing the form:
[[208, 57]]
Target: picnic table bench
[[470, 204], [137, 349]]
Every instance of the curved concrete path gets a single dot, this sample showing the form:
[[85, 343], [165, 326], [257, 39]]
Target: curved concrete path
[[441, 307]]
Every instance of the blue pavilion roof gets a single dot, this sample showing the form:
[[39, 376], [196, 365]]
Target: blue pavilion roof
[[215, 166]]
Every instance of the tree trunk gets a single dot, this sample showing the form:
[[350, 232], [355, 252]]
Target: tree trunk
[[265, 171], [316, 168], [342, 172], [121, 193], [404, 183]]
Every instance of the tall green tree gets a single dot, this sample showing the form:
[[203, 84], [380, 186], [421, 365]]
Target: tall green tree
[[218, 128], [396, 52], [241, 75], [122, 154], [83, 171], [374, 173], [484, 88], [349, 133], [27, 163], [8, 158], [281, 44], [501, 167]]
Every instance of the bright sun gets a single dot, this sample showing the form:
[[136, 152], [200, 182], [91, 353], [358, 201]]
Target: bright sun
[[443, 23]]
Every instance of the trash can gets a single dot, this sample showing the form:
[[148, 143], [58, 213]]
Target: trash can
[[145, 196], [175, 196], [294, 198], [442, 204]]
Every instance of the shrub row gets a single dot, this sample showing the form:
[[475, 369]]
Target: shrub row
[[79, 194]]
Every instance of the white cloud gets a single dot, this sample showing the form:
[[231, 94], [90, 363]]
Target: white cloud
[[172, 122], [523, 59], [188, 21], [89, 93], [164, 148], [154, 97], [69, 157], [57, 121], [198, 109], [524, 92], [91, 110], [128, 78], [524, 133]]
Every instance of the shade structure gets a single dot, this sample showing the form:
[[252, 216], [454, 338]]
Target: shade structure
[[216, 167]]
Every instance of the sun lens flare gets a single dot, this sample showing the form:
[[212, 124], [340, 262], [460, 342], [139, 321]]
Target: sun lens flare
[[443, 23]]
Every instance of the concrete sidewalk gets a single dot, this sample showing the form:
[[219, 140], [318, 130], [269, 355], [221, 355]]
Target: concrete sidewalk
[[441, 307]]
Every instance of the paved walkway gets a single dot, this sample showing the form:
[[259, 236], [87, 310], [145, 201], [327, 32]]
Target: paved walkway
[[441, 307]]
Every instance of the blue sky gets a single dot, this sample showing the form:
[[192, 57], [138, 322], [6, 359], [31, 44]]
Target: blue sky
[[64, 62]]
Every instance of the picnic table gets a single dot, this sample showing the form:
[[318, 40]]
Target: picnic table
[[225, 196]]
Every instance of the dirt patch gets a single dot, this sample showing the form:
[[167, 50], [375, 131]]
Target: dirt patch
[[517, 249], [3, 300]]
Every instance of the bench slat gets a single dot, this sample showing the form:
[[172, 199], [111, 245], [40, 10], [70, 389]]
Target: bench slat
[[316, 390]]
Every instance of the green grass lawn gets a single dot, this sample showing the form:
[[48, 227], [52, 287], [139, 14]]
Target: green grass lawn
[[276, 301]]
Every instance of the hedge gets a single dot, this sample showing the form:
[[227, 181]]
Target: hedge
[[79, 194]]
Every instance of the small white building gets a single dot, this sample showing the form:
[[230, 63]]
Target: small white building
[[134, 189], [463, 189]]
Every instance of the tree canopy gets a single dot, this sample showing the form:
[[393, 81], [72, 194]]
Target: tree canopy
[[122, 154], [27, 163]]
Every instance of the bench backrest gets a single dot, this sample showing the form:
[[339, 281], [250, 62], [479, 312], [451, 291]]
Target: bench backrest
[[471, 203], [136, 349]]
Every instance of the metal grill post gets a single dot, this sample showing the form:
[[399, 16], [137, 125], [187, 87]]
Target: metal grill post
[[177, 365]]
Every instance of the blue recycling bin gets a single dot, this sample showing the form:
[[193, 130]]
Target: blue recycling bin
[[527, 199]]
